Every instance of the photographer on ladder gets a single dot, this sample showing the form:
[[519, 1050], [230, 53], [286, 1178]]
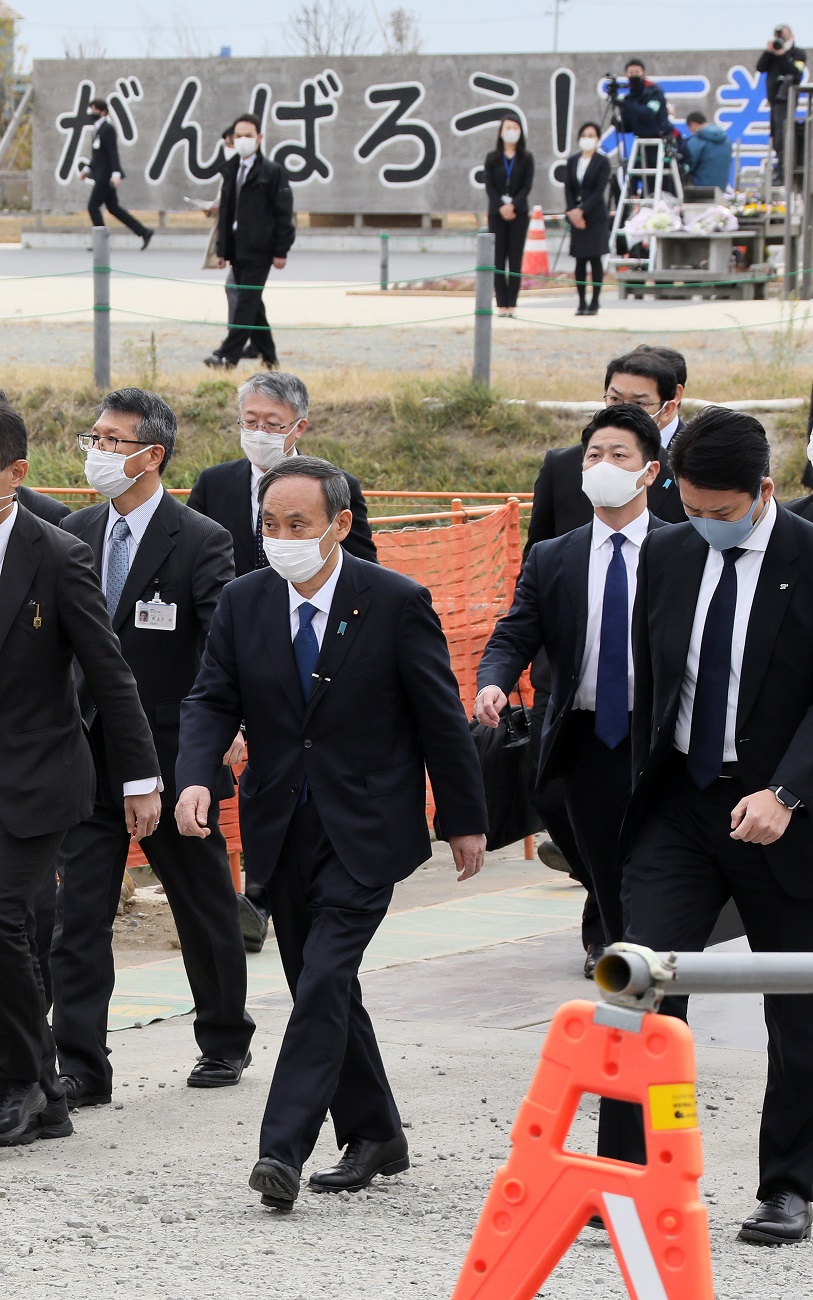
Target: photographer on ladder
[[644, 113], [783, 63]]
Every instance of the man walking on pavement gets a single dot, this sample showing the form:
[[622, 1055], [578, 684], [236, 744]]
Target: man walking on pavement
[[106, 172]]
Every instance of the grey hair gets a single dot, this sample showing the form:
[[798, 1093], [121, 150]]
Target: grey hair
[[335, 489], [288, 390], [156, 421]]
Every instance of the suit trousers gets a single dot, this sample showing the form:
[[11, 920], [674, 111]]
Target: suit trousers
[[249, 322], [329, 1058], [26, 1044], [684, 866], [779, 117], [104, 192], [196, 877], [509, 242], [597, 783]]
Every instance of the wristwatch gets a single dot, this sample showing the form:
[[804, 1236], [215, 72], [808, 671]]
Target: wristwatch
[[784, 796]]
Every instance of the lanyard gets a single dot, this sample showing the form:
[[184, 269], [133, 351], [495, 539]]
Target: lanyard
[[508, 164]]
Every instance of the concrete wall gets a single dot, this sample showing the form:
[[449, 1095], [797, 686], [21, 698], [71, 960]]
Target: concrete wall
[[367, 134]]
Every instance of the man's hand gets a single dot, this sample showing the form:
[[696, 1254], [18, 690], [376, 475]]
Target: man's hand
[[576, 218], [142, 813], [489, 704], [192, 810], [507, 212], [468, 852], [221, 262], [237, 751], [115, 181], [280, 263], [759, 818]]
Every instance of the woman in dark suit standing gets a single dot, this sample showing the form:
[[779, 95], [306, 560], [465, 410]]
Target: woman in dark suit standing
[[587, 174], [509, 174]]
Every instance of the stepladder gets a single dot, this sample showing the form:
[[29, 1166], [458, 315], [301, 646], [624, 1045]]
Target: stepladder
[[643, 185]]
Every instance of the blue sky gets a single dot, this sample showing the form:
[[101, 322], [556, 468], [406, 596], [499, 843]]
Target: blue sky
[[141, 27]]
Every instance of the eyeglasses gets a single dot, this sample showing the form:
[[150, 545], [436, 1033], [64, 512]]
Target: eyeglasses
[[250, 427], [102, 442], [615, 399]]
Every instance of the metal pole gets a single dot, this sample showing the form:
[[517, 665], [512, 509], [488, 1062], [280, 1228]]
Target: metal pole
[[16, 119], [789, 285], [385, 260], [481, 372], [806, 288], [632, 973], [101, 306]]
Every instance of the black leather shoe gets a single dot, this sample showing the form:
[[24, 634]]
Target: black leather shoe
[[253, 923], [20, 1101], [145, 239], [52, 1122], [361, 1161], [215, 362], [581, 310], [594, 951], [278, 1183], [271, 363], [782, 1217], [79, 1093], [210, 1072], [552, 856]]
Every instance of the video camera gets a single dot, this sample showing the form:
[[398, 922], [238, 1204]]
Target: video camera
[[613, 89], [778, 41]]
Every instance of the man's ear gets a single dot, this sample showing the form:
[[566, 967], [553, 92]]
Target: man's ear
[[344, 521], [652, 473]]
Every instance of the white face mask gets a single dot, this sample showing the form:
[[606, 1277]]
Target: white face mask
[[297, 561], [10, 496], [229, 151], [265, 449], [104, 471], [588, 143], [610, 486], [511, 136], [245, 145]]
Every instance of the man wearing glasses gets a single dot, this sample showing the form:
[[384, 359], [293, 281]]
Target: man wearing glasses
[[153, 558], [273, 417]]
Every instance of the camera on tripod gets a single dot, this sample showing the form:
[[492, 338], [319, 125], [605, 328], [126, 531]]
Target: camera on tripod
[[613, 90]]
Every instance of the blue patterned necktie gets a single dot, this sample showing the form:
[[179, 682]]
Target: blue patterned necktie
[[118, 565], [612, 681], [306, 654], [707, 739]]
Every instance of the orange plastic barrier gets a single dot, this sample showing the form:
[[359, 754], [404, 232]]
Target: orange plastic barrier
[[543, 1196], [535, 259]]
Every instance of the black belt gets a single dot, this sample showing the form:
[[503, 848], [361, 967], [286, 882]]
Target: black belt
[[728, 771]]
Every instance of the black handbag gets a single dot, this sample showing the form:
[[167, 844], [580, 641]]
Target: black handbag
[[505, 761]]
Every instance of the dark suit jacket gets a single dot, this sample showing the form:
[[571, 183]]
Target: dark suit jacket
[[265, 215], [386, 704], [223, 492], [104, 156], [549, 612], [589, 194], [49, 775], [189, 560], [519, 186], [801, 506], [44, 507], [774, 730], [560, 505]]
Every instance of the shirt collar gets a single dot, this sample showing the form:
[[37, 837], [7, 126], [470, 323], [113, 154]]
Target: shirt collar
[[758, 541], [138, 519], [669, 432], [7, 525], [634, 532], [323, 598], [247, 163]]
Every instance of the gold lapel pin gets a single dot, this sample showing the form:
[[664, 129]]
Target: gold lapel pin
[[37, 618], [355, 611]]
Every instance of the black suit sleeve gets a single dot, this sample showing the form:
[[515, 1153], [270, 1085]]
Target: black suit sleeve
[[490, 180], [214, 567], [359, 541], [598, 183], [213, 709], [517, 638], [281, 212], [570, 188], [446, 740], [197, 497], [109, 145], [224, 216], [521, 196], [642, 661], [83, 616], [542, 525]]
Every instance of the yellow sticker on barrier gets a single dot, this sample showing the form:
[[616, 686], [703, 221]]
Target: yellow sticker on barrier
[[672, 1105]]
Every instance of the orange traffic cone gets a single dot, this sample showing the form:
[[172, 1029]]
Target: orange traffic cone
[[543, 1196], [535, 258]]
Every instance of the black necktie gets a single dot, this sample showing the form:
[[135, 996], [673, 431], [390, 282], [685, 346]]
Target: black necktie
[[707, 741], [612, 680], [260, 561]]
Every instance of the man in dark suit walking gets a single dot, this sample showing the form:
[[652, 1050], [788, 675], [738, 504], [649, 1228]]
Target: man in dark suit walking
[[273, 417], [105, 170], [574, 600], [722, 751], [255, 232], [341, 672], [162, 568], [51, 610]]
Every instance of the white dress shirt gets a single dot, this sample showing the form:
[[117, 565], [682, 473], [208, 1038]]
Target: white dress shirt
[[322, 601], [582, 165], [245, 167], [601, 553], [137, 522], [669, 432], [747, 569], [5, 532]]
